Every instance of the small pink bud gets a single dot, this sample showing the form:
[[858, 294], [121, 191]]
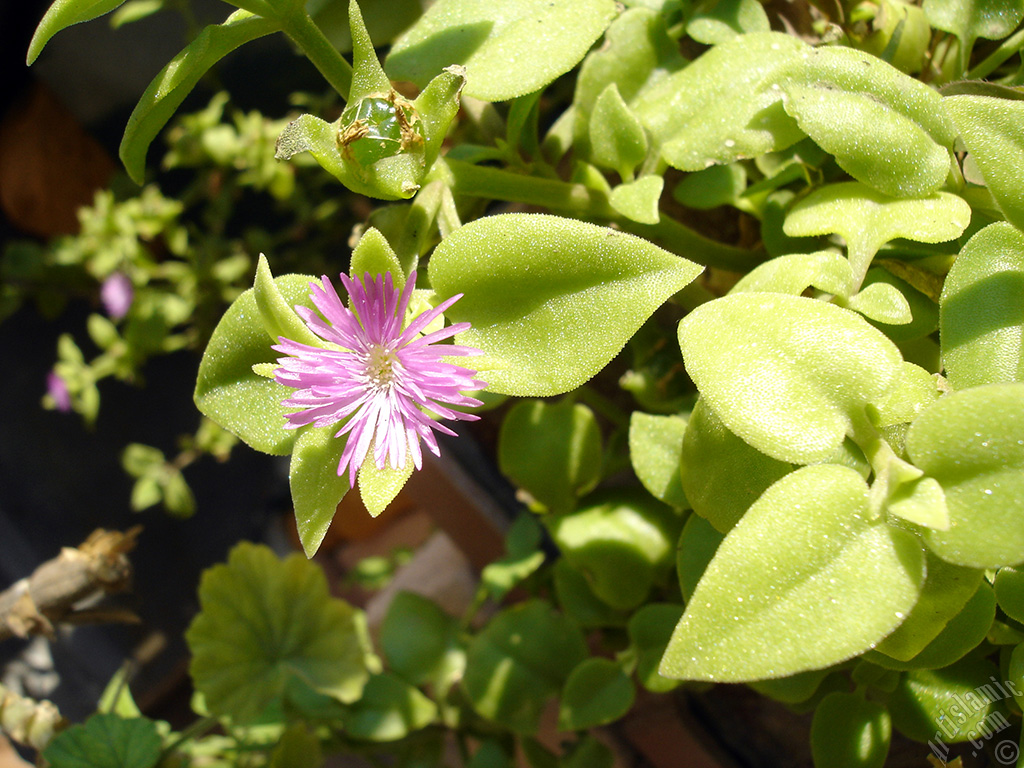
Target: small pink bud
[[117, 293], [58, 390]]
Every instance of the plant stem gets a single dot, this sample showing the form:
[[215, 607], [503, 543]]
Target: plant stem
[[318, 49], [586, 203], [1006, 49], [198, 728]]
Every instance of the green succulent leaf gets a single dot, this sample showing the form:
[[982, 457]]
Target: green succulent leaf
[[990, 19], [697, 546], [497, 43], [596, 693], [717, 21], [961, 634], [175, 81], [924, 310], [388, 709], [861, 132], [577, 599], [523, 556], [867, 219], [655, 448], [957, 702], [636, 54], [521, 658], [982, 310], [787, 374], [265, 621], [638, 200], [374, 256], [617, 138], [623, 542], [553, 451], [279, 317], [418, 638], [849, 732], [1009, 586], [779, 576], [721, 474], [650, 629], [971, 443], [227, 389], [536, 284], [106, 741], [796, 272], [990, 127], [723, 107], [63, 14], [315, 484]]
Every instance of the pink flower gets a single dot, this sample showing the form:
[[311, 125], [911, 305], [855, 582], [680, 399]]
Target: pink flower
[[58, 390], [117, 293], [373, 376]]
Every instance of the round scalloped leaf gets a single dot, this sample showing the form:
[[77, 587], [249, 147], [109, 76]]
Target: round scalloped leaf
[[264, 622], [982, 309], [972, 442], [498, 43], [806, 555], [786, 373], [106, 741], [551, 300], [228, 391]]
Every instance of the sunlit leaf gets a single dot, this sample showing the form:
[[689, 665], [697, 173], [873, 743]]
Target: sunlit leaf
[[551, 300], [806, 555]]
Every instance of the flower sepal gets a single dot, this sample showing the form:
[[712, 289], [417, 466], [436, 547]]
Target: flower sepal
[[383, 145], [378, 487]]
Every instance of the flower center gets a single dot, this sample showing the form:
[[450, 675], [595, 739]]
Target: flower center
[[380, 365]]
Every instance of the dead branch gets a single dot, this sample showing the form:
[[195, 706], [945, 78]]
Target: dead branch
[[100, 565]]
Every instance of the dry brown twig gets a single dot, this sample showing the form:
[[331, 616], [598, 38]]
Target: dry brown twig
[[98, 566]]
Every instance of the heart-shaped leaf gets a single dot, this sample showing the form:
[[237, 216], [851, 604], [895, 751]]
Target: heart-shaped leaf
[[497, 43], [971, 442], [786, 373], [551, 300], [228, 391], [806, 555], [521, 658], [990, 128], [655, 447], [982, 310]]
